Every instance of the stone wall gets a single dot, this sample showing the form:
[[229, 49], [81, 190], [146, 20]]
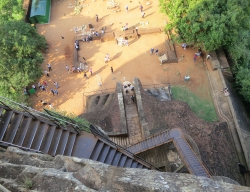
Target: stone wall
[[112, 119]]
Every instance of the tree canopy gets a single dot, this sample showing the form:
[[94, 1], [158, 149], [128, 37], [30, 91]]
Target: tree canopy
[[211, 24], [11, 10], [20, 53]]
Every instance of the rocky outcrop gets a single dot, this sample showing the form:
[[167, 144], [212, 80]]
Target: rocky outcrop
[[22, 171]]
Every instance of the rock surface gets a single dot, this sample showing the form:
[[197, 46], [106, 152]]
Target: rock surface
[[67, 174]]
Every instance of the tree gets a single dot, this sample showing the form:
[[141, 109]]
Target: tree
[[243, 80], [20, 57], [11, 10], [209, 24]]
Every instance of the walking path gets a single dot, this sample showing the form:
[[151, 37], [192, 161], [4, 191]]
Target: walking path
[[223, 107], [134, 128], [133, 124]]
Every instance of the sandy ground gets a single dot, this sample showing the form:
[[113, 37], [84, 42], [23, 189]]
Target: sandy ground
[[127, 62]]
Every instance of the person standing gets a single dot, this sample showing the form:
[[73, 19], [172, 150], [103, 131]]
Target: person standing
[[142, 14], [96, 16], [141, 8], [208, 56], [126, 7], [111, 68], [195, 56], [52, 91], [43, 102], [156, 51], [46, 73], [90, 70], [34, 87], [39, 85], [67, 68], [45, 83], [186, 78], [43, 88], [152, 51], [133, 98], [49, 67], [50, 105], [56, 84], [85, 75], [107, 56], [56, 92]]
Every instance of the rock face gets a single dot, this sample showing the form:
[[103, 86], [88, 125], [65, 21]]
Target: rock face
[[62, 173]]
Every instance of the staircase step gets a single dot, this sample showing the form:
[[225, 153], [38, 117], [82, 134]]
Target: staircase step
[[104, 153], [134, 164], [22, 131], [5, 123], [122, 160], [139, 166], [39, 136], [110, 156], [12, 130], [55, 142], [97, 150], [31, 133], [128, 162], [84, 145], [70, 144], [47, 139], [63, 143], [116, 158]]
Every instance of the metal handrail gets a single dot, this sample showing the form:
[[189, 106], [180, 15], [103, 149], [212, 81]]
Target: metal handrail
[[18, 146], [95, 132], [92, 128], [38, 113]]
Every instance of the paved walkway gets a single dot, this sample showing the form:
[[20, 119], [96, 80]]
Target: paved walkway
[[133, 125], [223, 107]]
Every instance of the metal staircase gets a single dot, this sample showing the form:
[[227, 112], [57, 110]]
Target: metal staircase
[[193, 163], [34, 131]]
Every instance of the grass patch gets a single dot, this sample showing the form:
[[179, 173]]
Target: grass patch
[[204, 109]]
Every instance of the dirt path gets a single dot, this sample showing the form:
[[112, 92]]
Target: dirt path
[[127, 62]]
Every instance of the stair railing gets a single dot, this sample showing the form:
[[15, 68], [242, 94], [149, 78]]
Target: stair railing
[[12, 105], [71, 124], [21, 147], [120, 148]]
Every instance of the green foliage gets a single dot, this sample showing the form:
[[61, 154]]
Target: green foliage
[[209, 24], [202, 108], [20, 53], [27, 183], [11, 10], [243, 80], [71, 118]]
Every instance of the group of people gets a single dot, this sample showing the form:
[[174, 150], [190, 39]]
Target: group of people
[[152, 50], [124, 28], [87, 38]]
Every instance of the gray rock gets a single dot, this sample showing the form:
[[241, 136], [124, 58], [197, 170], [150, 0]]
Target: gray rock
[[66, 174]]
